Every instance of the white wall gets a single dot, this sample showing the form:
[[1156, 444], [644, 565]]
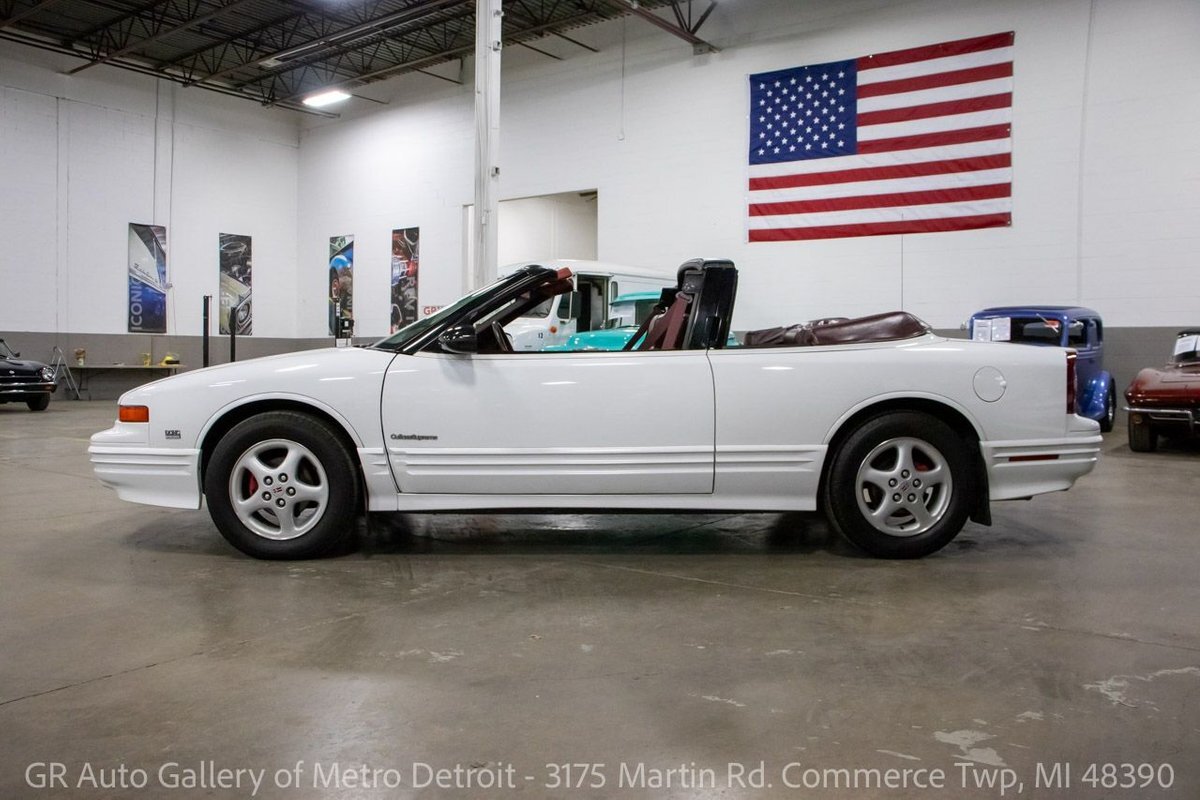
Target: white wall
[[1106, 161], [1106, 171], [558, 226], [1140, 222], [370, 176], [82, 157]]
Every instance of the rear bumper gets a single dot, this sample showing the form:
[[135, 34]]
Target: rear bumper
[[1026, 467], [158, 476]]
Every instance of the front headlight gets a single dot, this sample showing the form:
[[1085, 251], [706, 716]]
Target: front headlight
[[47, 374]]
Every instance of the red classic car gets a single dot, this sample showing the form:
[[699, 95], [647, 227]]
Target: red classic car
[[1166, 400]]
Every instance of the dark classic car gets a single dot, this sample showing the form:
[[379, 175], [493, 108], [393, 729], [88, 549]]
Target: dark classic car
[[1166, 400], [23, 381]]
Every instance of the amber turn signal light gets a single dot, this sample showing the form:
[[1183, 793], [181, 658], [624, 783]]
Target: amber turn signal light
[[133, 413]]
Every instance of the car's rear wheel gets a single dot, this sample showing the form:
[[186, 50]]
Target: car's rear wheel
[[39, 403], [1142, 437], [901, 485], [281, 485], [1110, 408]]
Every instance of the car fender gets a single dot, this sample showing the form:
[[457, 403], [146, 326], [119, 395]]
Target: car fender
[[288, 397], [1092, 395], [891, 398]]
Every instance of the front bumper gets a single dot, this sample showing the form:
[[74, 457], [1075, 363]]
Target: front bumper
[[1027, 467], [158, 476], [1187, 418], [21, 391]]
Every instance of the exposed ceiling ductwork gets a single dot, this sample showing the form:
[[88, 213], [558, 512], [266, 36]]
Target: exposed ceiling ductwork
[[276, 52]]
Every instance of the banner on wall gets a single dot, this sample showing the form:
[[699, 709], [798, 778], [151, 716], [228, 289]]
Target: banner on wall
[[910, 141], [341, 280], [147, 278], [236, 311], [406, 263]]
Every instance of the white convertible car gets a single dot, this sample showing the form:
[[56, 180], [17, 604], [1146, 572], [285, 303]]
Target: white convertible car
[[897, 434]]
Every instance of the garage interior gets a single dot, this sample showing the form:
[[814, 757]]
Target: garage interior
[[1067, 632]]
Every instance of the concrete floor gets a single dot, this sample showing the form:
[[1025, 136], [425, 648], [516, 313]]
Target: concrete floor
[[130, 635]]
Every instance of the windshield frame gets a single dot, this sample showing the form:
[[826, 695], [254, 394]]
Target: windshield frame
[[417, 335]]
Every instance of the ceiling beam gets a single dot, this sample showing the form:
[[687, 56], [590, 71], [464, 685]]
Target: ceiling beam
[[368, 29], [142, 69], [699, 46], [29, 12], [141, 43], [114, 21], [583, 17]]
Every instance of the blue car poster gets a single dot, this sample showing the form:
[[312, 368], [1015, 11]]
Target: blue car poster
[[147, 278]]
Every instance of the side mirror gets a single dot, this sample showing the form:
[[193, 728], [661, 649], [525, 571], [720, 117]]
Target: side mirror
[[459, 339]]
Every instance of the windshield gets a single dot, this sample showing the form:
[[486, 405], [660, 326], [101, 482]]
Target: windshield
[[410, 332], [6, 351], [1186, 349]]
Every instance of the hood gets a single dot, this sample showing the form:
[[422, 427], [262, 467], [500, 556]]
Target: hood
[[284, 370], [1174, 383], [1180, 373], [20, 366]]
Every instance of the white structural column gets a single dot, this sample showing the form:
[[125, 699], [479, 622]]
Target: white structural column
[[488, 15]]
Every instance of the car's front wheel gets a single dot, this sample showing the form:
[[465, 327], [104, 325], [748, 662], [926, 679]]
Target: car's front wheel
[[281, 485], [39, 403], [901, 485], [1142, 437]]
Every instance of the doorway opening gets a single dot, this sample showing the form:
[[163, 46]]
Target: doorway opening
[[547, 226]]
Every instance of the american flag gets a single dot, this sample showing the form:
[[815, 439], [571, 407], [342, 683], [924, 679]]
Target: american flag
[[913, 141]]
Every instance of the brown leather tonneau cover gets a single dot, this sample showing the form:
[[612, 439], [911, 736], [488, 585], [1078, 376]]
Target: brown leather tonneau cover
[[884, 327]]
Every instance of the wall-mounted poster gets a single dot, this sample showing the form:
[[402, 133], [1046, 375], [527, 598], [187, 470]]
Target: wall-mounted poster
[[236, 312], [406, 262], [341, 280], [147, 278]]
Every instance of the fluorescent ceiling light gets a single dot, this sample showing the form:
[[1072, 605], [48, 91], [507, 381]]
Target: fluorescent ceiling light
[[322, 99]]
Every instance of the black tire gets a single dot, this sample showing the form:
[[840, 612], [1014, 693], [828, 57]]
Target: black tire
[[929, 514], [1110, 408], [1142, 437], [319, 497], [39, 403]]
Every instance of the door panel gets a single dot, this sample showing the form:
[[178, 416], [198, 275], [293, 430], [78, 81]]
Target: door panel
[[552, 423]]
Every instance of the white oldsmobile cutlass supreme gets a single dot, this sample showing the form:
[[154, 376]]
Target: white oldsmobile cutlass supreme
[[897, 434]]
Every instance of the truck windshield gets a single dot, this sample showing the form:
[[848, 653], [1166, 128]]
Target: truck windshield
[[541, 310]]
